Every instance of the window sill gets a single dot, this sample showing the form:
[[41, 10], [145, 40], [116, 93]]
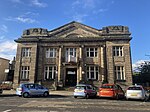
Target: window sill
[[121, 80], [24, 79]]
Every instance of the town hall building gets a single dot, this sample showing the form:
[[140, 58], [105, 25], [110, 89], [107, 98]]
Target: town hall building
[[74, 53]]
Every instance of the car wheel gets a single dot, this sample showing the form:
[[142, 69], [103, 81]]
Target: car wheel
[[117, 97], [46, 94], [75, 96], [87, 96], [25, 95]]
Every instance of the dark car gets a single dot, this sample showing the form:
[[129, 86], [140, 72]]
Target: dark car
[[1, 90]]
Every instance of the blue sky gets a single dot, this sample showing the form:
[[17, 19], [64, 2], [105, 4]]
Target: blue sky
[[18, 15]]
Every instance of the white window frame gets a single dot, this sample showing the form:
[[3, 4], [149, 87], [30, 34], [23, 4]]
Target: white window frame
[[120, 73], [117, 51], [26, 52], [49, 72], [89, 51], [51, 52], [25, 72], [70, 52], [95, 72]]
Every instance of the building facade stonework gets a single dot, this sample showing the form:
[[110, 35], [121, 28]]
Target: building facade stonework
[[74, 53]]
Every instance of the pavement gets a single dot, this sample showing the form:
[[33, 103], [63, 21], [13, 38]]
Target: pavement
[[57, 92]]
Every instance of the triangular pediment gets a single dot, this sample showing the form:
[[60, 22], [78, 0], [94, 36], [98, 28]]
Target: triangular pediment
[[74, 29]]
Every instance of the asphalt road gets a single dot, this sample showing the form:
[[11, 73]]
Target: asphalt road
[[61, 102]]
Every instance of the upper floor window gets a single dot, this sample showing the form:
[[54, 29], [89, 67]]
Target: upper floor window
[[117, 51], [25, 72], [92, 72], [49, 72], [71, 54], [26, 52], [50, 52], [119, 73], [91, 52]]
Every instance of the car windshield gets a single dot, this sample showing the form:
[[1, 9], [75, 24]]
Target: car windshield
[[107, 86], [80, 87], [134, 88]]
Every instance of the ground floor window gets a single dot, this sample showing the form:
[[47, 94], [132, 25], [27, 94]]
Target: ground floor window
[[25, 72], [119, 73], [92, 72], [49, 73]]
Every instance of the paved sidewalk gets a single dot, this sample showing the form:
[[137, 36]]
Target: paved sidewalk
[[58, 92]]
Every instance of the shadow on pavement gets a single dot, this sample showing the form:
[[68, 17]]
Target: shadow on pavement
[[7, 95]]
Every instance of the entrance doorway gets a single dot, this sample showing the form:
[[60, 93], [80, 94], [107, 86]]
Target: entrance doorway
[[71, 76]]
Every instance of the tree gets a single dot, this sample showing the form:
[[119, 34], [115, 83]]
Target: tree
[[142, 73]]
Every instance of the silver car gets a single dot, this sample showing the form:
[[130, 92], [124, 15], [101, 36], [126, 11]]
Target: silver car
[[137, 92], [31, 89], [84, 90]]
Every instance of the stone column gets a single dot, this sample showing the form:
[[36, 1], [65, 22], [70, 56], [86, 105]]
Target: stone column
[[102, 64], [80, 66], [59, 65]]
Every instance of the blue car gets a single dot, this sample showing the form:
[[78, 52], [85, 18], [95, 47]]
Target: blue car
[[31, 89], [84, 90]]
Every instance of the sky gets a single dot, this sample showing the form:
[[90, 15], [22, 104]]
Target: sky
[[18, 15]]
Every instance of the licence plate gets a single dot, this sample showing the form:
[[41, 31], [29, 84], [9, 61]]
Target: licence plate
[[134, 94]]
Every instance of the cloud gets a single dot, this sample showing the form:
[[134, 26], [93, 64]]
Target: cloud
[[16, 1], [4, 28], [84, 4], [81, 9], [137, 65], [38, 4], [22, 19], [2, 37], [8, 49], [79, 17]]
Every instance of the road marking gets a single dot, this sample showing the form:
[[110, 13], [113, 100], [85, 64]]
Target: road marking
[[7, 110]]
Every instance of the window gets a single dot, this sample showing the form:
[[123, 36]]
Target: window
[[71, 54], [91, 52], [92, 72], [25, 72], [119, 73], [26, 52], [117, 51], [50, 72], [50, 52]]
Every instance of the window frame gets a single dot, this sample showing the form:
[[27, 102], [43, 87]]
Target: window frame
[[120, 73], [25, 70], [118, 51], [92, 52], [26, 52], [92, 70], [49, 72], [51, 52]]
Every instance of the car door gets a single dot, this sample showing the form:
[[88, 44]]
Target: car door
[[90, 90], [120, 91], [32, 89], [41, 89]]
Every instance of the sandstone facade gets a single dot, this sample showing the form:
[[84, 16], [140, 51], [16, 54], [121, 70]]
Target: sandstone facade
[[72, 54]]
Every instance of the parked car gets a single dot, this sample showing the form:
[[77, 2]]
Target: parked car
[[111, 90], [31, 89], [137, 92], [84, 90], [1, 90]]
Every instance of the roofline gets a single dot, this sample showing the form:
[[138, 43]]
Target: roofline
[[72, 23], [4, 59]]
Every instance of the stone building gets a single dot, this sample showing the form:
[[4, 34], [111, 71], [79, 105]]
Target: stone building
[[74, 53], [4, 69]]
